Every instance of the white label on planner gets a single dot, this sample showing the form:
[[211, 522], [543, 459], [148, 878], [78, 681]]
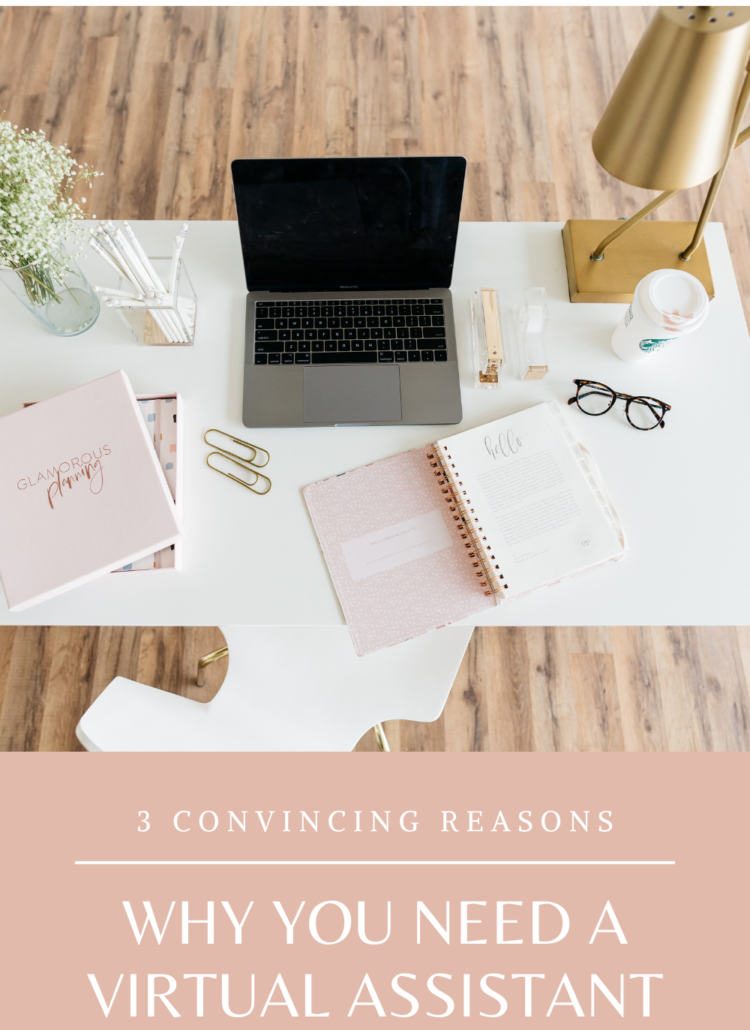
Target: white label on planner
[[396, 545]]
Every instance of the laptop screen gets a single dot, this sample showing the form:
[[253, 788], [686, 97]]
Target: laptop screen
[[365, 223]]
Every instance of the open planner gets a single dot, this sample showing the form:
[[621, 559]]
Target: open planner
[[443, 532]]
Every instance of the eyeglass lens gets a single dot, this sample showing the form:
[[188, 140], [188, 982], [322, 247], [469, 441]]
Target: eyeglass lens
[[644, 412], [595, 398]]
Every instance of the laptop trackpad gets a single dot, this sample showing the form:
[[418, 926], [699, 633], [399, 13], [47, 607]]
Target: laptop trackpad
[[352, 393]]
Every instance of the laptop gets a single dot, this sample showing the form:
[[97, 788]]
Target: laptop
[[349, 318]]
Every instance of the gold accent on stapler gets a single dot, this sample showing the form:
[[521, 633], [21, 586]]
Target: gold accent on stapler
[[493, 336]]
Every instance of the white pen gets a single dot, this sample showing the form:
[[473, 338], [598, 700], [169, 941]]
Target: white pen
[[120, 302], [143, 257], [150, 284], [150, 271], [176, 251], [172, 288], [160, 315], [109, 291], [133, 260], [116, 240], [106, 243], [96, 245], [105, 246], [124, 253], [141, 281]]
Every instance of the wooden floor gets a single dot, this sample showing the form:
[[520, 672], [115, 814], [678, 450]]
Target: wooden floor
[[161, 100], [517, 689]]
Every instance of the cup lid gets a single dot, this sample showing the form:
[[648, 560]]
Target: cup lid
[[674, 299]]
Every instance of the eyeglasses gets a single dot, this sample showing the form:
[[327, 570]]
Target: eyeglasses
[[596, 399]]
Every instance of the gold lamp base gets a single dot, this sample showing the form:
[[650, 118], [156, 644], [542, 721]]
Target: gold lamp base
[[642, 249]]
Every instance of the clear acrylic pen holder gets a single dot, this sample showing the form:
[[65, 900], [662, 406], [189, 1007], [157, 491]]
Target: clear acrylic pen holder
[[530, 322], [172, 324]]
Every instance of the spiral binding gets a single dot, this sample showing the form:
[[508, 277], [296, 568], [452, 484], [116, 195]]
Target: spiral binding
[[479, 549]]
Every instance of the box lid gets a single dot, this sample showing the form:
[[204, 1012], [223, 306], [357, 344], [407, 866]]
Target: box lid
[[81, 491]]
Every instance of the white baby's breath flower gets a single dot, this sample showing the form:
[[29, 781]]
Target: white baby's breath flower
[[37, 209]]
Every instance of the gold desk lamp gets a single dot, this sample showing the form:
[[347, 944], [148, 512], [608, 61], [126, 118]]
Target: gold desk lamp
[[672, 123]]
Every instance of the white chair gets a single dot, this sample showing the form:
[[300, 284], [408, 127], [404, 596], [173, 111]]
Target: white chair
[[288, 688]]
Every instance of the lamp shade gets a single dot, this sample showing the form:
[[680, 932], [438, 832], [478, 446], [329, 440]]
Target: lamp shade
[[668, 123]]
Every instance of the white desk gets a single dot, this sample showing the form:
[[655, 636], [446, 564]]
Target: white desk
[[683, 493]]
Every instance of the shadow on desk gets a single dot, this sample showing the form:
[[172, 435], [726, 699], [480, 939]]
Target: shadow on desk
[[537, 689]]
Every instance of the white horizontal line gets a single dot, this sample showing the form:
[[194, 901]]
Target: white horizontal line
[[388, 862]]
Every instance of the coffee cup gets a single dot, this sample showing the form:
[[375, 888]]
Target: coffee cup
[[667, 305]]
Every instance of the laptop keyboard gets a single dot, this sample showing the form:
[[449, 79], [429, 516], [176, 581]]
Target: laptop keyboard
[[310, 332]]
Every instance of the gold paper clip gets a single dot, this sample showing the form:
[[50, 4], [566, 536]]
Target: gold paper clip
[[244, 467], [242, 443]]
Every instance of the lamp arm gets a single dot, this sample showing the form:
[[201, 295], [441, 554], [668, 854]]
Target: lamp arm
[[713, 189], [657, 202], [651, 206]]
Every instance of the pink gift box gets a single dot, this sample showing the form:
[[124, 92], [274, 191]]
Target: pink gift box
[[82, 492]]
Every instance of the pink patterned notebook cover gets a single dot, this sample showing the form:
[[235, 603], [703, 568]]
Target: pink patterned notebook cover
[[397, 561]]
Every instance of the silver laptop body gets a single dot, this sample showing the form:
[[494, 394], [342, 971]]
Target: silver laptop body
[[346, 356]]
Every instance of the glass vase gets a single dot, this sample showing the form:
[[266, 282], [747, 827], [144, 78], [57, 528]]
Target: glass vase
[[55, 291]]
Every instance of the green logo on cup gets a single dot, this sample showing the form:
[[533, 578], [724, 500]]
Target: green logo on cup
[[652, 345]]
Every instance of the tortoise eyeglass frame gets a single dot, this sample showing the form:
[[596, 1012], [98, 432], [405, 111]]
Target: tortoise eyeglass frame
[[658, 408]]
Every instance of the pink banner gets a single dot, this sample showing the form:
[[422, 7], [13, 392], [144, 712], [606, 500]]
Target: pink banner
[[539, 889]]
